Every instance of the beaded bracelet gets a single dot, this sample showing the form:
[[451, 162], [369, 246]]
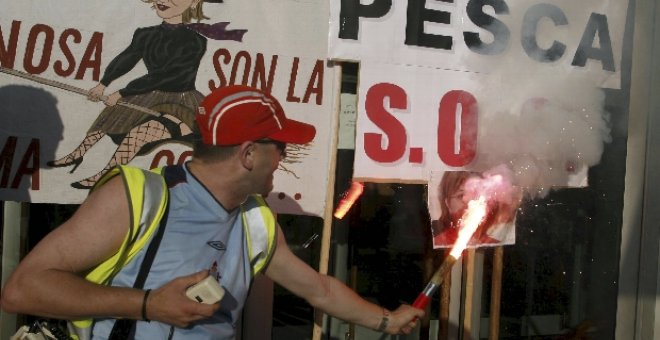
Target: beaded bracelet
[[382, 326], [144, 305]]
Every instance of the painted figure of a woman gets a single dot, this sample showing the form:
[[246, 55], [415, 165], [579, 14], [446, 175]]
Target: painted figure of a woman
[[171, 52]]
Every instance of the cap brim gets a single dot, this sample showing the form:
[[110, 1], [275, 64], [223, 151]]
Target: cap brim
[[295, 132]]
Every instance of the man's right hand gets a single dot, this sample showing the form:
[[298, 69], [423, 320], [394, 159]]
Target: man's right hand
[[169, 303]]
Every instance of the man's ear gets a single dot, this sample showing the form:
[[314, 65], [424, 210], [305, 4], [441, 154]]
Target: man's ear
[[246, 154]]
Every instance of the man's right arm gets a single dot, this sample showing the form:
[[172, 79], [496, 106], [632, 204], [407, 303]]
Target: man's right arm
[[50, 280]]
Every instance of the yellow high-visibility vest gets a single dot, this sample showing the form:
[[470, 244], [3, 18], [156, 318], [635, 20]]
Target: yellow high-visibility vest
[[147, 199]]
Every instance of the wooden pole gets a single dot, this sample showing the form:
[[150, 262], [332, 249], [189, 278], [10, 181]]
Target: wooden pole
[[443, 313], [14, 224], [73, 89], [351, 326], [496, 294], [469, 293], [329, 198]]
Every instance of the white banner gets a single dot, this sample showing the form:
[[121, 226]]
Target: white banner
[[468, 35], [73, 42], [547, 130], [449, 85]]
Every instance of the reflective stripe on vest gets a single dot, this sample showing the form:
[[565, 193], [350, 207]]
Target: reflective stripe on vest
[[147, 199], [260, 231]]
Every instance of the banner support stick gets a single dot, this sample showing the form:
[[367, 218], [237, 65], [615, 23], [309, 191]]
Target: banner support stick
[[495, 294], [469, 293], [14, 226], [329, 198]]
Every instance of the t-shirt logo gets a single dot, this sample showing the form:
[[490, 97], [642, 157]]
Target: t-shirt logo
[[217, 245]]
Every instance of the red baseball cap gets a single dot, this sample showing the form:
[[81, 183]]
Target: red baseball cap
[[235, 114]]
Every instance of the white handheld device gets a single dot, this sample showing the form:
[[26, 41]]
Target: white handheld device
[[207, 291]]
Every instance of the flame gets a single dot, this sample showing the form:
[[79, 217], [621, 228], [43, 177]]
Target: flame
[[472, 217], [349, 199]]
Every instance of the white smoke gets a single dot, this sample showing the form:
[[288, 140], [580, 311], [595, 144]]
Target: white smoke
[[545, 127]]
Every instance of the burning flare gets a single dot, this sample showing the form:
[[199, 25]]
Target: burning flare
[[493, 186], [472, 217], [349, 199]]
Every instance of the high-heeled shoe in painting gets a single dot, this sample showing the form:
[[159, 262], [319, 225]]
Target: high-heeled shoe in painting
[[84, 184], [66, 161]]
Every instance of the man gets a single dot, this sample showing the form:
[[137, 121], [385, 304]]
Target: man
[[243, 137]]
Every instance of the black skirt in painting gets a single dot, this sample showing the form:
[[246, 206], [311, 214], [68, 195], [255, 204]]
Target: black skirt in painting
[[175, 108]]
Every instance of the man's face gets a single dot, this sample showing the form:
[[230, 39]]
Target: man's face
[[269, 155]]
